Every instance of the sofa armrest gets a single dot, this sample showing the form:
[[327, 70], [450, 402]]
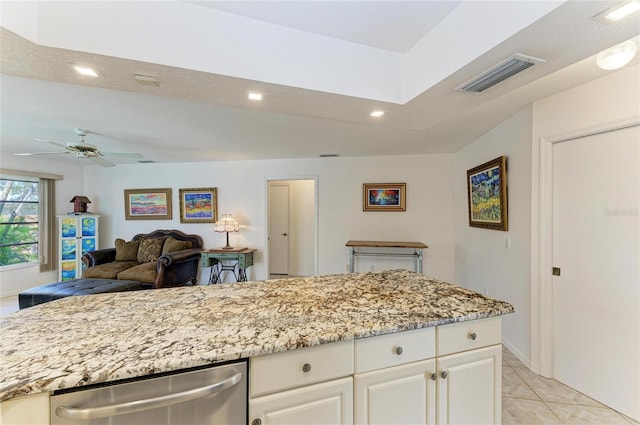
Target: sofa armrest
[[177, 268], [173, 257], [100, 256]]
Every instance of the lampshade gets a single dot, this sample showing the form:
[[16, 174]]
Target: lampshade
[[617, 56], [226, 224]]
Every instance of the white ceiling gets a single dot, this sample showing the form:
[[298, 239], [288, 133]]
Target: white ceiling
[[200, 111]]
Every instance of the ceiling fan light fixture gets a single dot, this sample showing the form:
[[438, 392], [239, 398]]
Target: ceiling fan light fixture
[[617, 56]]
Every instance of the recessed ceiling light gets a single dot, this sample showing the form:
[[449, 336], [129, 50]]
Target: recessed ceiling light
[[377, 114], [85, 70], [255, 96], [621, 12], [147, 80], [617, 56]]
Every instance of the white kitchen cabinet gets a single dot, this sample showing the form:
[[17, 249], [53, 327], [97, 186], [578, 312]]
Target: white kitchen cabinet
[[460, 384], [77, 235], [397, 395], [28, 410], [469, 387], [318, 404]]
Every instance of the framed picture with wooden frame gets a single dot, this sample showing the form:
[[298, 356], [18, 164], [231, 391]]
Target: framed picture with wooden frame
[[487, 195], [147, 204], [384, 197], [199, 205]]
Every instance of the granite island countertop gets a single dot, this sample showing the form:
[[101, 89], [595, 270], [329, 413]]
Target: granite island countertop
[[84, 340]]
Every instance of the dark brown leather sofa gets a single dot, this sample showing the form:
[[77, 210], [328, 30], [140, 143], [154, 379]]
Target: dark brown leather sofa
[[163, 268]]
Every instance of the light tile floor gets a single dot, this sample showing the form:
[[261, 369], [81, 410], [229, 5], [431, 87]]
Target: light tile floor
[[527, 398]]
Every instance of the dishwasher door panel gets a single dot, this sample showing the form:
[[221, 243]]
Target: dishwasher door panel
[[215, 395]]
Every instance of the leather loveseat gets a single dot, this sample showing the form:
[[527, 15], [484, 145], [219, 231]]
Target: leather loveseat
[[159, 259]]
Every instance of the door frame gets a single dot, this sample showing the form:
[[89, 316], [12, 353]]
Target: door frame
[[542, 242], [315, 218]]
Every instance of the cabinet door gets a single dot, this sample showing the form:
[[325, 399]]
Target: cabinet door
[[69, 252], [320, 404], [470, 387], [397, 395]]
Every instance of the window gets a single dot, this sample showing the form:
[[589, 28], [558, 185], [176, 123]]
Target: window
[[19, 221], [27, 219]]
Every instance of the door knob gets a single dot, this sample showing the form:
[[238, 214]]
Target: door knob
[[284, 234]]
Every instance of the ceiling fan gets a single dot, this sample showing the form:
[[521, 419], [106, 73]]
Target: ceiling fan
[[82, 149]]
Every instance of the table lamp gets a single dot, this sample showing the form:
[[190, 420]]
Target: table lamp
[[226, 224]]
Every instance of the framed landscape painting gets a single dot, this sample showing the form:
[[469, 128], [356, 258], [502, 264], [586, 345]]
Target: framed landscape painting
[[384, 197], [487, 195], [199, 205], [147, 204]]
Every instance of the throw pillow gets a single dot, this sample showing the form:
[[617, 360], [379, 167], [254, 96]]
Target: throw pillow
[[172, 245], [126, 251], [150, 249]]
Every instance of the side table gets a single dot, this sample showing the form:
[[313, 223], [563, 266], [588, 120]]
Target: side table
[[241, 259]]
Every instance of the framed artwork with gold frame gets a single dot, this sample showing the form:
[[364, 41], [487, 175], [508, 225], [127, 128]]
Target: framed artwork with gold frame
[[147, 204]]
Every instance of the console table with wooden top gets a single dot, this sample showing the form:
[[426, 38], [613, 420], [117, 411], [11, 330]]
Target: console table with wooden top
[[242, 258], [416, 254]]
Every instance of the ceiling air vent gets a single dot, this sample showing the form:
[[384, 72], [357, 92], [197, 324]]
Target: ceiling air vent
[[500, 72]]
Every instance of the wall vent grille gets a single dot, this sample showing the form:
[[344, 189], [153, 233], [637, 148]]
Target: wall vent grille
[[500, 72]]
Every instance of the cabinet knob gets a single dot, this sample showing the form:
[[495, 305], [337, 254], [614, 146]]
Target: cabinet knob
[[444, 374], [397, 350], [306, 368], [256, 422], [434, 376], [472, 336]]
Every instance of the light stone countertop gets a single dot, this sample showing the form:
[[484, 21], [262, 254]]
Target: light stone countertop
[[84, 340]]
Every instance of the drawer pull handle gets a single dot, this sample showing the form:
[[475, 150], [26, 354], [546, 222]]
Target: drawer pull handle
[[434, 376], [472, 336], [397, 350], [444, 374], [306, 368]]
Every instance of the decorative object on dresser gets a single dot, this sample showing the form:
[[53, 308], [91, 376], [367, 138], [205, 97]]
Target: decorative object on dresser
[[199, 205], [384, 197], [242, 259], [226, 224], [416, 254], [158, 259], [80, 203], [147, 204], [78, 234], [487, 195]]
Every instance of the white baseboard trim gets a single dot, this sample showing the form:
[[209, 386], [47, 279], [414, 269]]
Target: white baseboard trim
[[524, 359]]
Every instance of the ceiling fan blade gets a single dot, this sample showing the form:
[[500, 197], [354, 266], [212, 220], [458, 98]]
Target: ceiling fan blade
[[123, 154], [40, 153], [51, 142], [101, 161]]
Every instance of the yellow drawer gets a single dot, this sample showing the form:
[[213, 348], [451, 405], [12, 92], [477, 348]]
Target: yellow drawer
[[468, 335], [395, 349], [291, 369]]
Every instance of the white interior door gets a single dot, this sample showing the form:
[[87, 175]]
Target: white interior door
[[278, 228], [596, 245]]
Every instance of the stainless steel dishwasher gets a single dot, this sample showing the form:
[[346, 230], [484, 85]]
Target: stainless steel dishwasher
[[214, 395]]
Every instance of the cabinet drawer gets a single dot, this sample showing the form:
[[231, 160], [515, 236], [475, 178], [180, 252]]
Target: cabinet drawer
[[291, 369], [395, 349], [465, 336]]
